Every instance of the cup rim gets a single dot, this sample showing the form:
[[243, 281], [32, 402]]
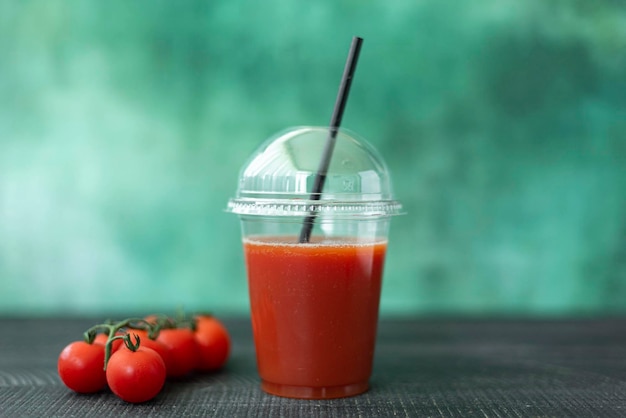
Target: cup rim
[[305, 207]]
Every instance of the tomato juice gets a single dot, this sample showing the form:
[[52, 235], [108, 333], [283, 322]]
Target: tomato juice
[[314, 313]]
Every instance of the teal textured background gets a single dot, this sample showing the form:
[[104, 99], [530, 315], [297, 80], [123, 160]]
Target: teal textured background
[[123, 125]]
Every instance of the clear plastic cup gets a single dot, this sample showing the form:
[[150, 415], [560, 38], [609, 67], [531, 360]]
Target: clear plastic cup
[[314, 305]]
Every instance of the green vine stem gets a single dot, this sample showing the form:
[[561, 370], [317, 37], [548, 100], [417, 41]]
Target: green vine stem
[[111, 329], [152, 328], [181, 321], [128, 342]]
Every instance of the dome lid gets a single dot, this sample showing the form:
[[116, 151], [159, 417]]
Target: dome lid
[[278, 179]]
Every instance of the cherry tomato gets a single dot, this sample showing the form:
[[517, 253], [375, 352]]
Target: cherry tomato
[[213, 343], [102, 339], [183, 350], [81, 367], [154, 319], [136, 376], [157, 346]]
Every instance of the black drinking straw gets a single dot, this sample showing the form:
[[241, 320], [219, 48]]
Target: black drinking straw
[[335, 122]]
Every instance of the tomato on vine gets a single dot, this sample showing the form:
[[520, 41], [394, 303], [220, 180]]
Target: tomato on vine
[[183, 350], [135, 373], [157, 346], [213, 343], [81, 367]]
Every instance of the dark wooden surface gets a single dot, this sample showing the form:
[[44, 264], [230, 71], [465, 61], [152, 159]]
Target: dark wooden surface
[[437, 368]]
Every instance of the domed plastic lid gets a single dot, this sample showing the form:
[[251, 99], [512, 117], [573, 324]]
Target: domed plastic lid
[[278, 179]]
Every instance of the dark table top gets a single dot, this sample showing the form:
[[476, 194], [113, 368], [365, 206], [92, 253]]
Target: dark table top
[[425, 367]]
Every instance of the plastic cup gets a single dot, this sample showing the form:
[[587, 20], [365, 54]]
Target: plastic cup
[[314, 305]]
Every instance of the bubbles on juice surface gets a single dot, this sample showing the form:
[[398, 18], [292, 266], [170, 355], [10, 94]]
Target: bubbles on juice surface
[[315, 241]]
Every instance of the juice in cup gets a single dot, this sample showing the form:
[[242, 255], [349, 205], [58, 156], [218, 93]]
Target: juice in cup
[[314, 314], [314, 304]]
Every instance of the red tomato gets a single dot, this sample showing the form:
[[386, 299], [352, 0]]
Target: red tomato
[[81, 367], [155, 319], [213, 342], [157, 346], [183, 350], [136, 376], [102, 339]]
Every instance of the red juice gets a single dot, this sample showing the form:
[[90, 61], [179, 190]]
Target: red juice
[[314, 314]]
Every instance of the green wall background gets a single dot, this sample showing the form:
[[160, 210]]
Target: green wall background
[[123, 125]]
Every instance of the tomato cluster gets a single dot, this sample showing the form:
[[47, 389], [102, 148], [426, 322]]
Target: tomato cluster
[[134, 357]]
